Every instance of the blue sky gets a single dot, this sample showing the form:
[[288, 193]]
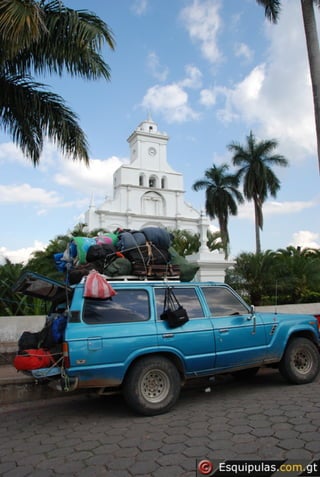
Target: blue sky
[[208, 71]]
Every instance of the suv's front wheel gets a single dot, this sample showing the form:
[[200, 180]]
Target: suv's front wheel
[[152, 385], [301, 362]]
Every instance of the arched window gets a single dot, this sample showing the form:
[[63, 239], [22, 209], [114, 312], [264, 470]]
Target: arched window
[[153, 204], [163, 182]]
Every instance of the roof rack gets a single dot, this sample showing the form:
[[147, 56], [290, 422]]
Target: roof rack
[[142, 278]]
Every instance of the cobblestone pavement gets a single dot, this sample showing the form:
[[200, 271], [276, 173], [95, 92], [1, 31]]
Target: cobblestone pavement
[[85, 436]]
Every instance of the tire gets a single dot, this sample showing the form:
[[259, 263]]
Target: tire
[[152, 386], [300, 363], [245, 374]]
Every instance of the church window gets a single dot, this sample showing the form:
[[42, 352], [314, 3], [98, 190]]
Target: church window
[[153, 204], [163, 182], [152, 181], [141, 180]]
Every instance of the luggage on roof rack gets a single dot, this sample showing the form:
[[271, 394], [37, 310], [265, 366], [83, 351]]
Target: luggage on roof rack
[[145, 253]]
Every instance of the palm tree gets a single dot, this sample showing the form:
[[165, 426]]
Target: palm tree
[[184, 242], [12, 303], [298, 273], [272, 12], [222, 195], [253, 276], [44, 36], [214, 241], [42, 261], [255, 161]]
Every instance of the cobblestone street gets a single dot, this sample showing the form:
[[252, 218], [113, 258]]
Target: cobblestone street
[[85, 436]]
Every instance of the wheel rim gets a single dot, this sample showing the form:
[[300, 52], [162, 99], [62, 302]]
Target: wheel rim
[[302, 361], [155, 386]]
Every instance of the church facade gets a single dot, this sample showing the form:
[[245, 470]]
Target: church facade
[[147, 191]]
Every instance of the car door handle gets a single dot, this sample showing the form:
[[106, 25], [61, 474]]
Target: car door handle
[[168, 335], [223, 330]]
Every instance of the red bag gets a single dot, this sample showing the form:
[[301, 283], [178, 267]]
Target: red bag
[[33, 359], [97, 286]]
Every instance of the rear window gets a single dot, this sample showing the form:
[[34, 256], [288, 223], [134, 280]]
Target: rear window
[[125, 307], [222, 302]]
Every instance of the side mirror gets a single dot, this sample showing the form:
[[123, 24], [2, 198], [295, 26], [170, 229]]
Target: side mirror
[[251, 312]]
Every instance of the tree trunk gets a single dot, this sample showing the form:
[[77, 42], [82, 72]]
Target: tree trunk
[[224, 237], [257, 226], [310, 29]]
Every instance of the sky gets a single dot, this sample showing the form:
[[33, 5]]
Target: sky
[[208, 72]]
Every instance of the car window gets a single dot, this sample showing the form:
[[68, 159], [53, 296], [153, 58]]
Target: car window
[[126, 306], [187, 298], [222, 302]]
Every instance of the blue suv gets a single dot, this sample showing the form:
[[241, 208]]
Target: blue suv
[[124, 345]]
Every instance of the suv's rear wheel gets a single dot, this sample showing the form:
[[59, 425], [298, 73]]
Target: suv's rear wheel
[[152, 385], [301, 361]]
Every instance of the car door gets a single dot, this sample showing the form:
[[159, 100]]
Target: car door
[[193, 341], [240, 337]]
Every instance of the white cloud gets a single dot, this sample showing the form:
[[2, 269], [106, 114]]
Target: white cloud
[[10, 153], [244, 99], [193, 78], [306, 239], [208, 97], [243, 50], [285, 208], [97, 178], [157, 70], [139, 7], [21, 255], [171, 101], [24, 193], [273, 208], [203, 22], [261, 98]]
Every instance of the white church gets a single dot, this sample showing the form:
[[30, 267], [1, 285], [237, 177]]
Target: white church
[[149, 192]]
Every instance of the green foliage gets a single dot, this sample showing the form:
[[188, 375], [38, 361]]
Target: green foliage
[[214, 241], [253, 276], [42, 261], [186, 243], [222, 197], [12, 304], [284, 276], [255, 161], [45, 37], [298, 273]]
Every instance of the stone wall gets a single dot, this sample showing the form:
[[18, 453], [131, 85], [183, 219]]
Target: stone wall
[[12, 327]]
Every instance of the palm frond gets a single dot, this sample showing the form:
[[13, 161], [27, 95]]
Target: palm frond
[[29, 113], [71, 42], [272, 9], [21, 24]]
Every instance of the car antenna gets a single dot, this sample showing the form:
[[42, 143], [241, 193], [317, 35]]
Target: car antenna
[[276, 299]]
